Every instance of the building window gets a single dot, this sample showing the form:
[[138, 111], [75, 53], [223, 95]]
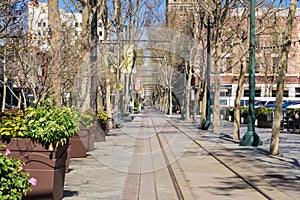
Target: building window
[[100, 33], [274, 93], [76, 24], [285, 93], [44, 24], [257, 93], [257, 68], [39, 24], [246, 92], [297, 92]]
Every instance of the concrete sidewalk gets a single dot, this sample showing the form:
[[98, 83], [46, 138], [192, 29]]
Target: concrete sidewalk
[[102, 174]]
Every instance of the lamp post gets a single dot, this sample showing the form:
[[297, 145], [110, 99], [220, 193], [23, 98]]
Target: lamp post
[[208, 27], [184, 91], [251, 138]]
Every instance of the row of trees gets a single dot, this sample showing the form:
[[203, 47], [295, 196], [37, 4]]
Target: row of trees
[[88, 70], [230, 38], [62, 60]]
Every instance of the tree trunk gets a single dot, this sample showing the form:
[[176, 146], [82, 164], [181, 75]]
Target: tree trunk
[[203, 103], [4, 81], [237, 102], [239, 91], [196, 101], [108, 107], [188, 93], [126, 98], [85, 81], [216, 116], [170, 99], [55, 26], [274, 145]]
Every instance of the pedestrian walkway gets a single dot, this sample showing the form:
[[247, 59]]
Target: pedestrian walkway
[[106, 171]]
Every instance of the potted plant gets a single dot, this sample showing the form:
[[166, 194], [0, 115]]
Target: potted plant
[[102, 119], [15, 182], [244, 114], [84, 139], [39, 137], [294, 115], [264, 117], [229, 113]]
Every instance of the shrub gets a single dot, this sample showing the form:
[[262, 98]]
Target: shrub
[[263, 111], [45, 124]]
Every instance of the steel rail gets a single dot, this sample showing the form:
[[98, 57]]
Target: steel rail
[[256, 188]]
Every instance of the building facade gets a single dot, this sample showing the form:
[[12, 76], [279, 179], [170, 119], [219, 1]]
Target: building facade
[[268, 50]]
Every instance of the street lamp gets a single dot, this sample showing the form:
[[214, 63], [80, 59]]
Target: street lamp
[[208, 26], [251, 138], [183, 115]]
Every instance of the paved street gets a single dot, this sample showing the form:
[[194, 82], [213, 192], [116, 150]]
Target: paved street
[[107, 173]]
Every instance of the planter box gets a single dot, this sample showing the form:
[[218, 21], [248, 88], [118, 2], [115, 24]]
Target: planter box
[[78, 149], [82, 142], [244, 119], [98, 131], [47, 166], [265, 121]]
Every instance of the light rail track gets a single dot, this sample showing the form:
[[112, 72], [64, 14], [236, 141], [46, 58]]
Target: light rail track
[[160, 137]]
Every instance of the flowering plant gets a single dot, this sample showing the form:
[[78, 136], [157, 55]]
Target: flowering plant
[[102, 117], [45, 123], [14, 181]]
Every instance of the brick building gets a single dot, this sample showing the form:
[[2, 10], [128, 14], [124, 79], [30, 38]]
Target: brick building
[[268, 48]]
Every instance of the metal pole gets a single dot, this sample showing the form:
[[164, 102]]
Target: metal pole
[[251, 138], [207, 122], [184, 91]]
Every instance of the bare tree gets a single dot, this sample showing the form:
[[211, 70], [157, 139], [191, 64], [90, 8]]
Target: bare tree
[[274, 145]]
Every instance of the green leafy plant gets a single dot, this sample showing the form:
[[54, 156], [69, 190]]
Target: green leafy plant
[[263, 111], [294, 113], [85, 118], [102, 117], [45, 123], [244, 111], [136, 105], [229, 110], [14, 181]]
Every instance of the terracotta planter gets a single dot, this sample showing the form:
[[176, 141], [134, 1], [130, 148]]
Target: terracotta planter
[[78, 149], [48, 167], [82, 142], [97, 131]]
